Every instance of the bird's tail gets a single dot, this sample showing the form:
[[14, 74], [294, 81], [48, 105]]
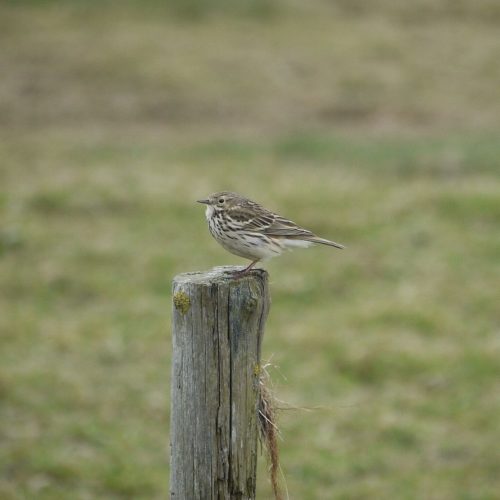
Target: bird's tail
[[322, 241]]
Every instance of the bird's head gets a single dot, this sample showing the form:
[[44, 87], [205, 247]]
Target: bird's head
[[219, 202]]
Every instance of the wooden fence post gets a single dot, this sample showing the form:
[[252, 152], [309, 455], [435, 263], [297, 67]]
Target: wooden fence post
[[217, 329]]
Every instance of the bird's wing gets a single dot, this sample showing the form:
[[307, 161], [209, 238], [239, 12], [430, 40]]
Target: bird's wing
[[255, 218], [286, 228], [266, 222]]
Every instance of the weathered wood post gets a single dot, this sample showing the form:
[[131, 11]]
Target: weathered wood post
[[218, 323]]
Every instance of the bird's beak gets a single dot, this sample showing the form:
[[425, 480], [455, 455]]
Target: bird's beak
[[205, 202]]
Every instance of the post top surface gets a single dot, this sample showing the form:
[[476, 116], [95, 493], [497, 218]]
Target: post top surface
[[217, 274]]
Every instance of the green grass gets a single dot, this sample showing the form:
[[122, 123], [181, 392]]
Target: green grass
[[376, 126]]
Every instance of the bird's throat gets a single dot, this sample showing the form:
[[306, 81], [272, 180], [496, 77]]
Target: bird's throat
[[209, 212]]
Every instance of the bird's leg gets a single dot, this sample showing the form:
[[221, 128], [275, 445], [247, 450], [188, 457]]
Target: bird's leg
[[245, 271]]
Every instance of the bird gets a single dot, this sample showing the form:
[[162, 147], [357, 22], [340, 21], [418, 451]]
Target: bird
[[247, 229]]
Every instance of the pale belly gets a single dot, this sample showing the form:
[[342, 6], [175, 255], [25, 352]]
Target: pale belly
[[250, 247]]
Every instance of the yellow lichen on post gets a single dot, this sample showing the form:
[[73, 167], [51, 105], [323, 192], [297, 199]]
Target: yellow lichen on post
[[182, 302]]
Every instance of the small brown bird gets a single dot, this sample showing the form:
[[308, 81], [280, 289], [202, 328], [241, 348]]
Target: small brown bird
[[249, 230]]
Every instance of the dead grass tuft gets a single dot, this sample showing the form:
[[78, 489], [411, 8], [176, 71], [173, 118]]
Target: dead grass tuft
[[269, 430]]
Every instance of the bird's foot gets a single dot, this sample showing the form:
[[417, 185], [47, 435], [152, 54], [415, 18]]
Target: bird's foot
[[245, 271]]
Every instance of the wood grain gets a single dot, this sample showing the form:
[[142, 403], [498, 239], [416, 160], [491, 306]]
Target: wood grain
[[218, 324]]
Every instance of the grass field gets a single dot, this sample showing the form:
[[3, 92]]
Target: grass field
[[375, 124]]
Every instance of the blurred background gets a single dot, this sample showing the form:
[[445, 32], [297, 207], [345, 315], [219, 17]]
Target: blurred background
[[375, 124]]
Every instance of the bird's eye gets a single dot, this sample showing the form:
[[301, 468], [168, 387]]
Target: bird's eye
[[221, 200]]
